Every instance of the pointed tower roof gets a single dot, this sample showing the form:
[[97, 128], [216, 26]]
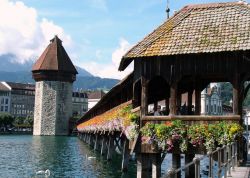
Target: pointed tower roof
[[55, 58], [54, 61]]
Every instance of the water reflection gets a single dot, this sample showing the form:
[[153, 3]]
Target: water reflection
[[23, 156]]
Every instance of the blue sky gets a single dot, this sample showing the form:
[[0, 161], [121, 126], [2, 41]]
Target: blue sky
[[96, 33]]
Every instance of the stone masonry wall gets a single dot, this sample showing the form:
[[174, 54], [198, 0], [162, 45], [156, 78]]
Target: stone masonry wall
[[53, 107]]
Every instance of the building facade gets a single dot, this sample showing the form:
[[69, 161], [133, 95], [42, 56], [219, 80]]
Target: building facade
[[17, 99], [80, 103], [54, 74], [94, 97], [211, 102]]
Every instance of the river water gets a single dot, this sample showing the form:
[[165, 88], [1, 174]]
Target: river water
[[22, 156]]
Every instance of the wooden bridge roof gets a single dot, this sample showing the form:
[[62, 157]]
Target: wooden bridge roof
[[203, 28], [107, 99]]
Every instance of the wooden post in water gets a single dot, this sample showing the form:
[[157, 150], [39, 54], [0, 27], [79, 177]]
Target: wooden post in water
[[111, 147], [173, 111], [104, 145], [237, 110], [156, 165], [125, 154], [189, 172], [96, 142], [143, 165]]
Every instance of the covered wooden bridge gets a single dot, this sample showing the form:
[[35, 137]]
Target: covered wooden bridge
[[200, 44]]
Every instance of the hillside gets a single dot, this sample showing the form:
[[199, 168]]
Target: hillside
[[82, 82]]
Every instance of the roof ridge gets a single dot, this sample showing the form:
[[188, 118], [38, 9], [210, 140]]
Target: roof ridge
[[219, 4]]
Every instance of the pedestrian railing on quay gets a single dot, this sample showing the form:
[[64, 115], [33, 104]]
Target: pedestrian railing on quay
[[227, 160]]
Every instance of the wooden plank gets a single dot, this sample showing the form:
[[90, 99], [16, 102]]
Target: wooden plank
[[192, 118], [137, 109]]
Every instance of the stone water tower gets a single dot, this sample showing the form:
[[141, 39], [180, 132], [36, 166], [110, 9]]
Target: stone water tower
[[54, 74]]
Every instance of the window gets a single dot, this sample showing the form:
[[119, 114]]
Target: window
[[2, 108], [2, 101], [63, 86], [215, 108], [6, 101], [6, 109]]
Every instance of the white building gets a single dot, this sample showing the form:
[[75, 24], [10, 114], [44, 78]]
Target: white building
[[5, 94], [211, 103], [17, 99], [79, 103], [94, 97]]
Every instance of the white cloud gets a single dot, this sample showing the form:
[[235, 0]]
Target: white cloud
[[22, 34], [110, 70]]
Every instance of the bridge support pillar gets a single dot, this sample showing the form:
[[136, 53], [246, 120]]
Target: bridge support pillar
[[189, 172], [111, 147], [125, 155], [156, 165], [104, 145], [143, 165], [176, 163]]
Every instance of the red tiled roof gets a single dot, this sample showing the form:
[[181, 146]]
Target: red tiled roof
[[21, 86], [96, 95], [54, 58], [204, 28], [3, 87]]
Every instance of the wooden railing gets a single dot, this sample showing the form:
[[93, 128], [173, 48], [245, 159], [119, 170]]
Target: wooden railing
[[227, 160], [192, 118]]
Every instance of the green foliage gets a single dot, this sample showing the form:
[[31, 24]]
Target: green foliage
[[5, 119], [173, 133], [19, 121], [226, 92], [28, 121]]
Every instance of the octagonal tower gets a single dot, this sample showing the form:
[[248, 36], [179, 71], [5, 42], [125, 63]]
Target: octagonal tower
[[54, 74]]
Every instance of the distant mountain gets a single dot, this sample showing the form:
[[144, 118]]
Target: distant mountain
[[12, 71], [8, 64], [83, 72]]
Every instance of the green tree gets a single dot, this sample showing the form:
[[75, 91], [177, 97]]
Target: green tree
[[19, 121], [226, 92], [6, 120], [29, 121]]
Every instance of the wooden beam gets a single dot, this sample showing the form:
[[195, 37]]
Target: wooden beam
[[167, 105], [173, 97], [144, 98], [197, 100], [189, 102], [192, 118]]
